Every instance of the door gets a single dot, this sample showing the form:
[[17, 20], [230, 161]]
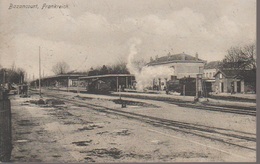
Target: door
[[222, 87], [232, 87], [238, 86]]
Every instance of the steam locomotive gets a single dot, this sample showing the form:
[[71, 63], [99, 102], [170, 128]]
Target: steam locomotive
[[187, 86]]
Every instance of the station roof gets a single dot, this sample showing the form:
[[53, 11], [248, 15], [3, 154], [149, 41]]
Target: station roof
[[83, 76], [107, 75], [244, 74], [176, 58], [72, 75]]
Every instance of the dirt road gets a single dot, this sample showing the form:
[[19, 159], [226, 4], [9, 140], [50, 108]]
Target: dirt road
[[74, 132]]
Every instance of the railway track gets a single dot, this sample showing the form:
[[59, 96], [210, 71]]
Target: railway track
[[218, 108], [251, 112], [210, 107], [226, 136]]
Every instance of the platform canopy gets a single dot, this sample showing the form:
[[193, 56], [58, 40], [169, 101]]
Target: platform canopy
[[106, 76]]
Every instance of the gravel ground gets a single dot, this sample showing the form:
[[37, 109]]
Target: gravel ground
[[73, 133]]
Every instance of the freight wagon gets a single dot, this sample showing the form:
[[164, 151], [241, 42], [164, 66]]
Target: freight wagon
[[98, 86]]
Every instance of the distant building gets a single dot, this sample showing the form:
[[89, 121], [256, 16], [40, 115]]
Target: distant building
[[235, 81], [210, 70], [182, 65]]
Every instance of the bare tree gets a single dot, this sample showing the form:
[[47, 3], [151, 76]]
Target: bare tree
[[60, 68], [12, 75], [139, 64], [241, 57], [119, 68]]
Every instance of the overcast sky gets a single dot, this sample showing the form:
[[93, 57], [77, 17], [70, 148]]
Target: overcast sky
[[96, 32]]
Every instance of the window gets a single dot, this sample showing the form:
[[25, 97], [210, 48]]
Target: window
[[220, 76]]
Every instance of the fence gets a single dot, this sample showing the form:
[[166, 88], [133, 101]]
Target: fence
[[5, 127]]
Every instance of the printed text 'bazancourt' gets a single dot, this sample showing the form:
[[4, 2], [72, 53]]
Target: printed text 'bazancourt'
[[37, 6]]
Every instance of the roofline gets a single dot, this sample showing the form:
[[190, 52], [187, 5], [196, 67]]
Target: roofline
[[221, 72], [235, 76], [59, 75], [238, 77], [107, 75], [176, 61]]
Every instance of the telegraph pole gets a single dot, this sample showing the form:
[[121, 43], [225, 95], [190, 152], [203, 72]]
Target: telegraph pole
[[198, 84], [78, 86], [68, 85], [4, 76], [40, 71]]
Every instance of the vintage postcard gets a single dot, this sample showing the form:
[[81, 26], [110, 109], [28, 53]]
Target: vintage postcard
[[85, 81]]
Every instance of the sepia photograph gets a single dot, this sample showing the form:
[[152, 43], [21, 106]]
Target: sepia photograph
[[116, 81]]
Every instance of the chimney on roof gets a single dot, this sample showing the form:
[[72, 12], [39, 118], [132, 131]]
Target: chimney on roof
[[151, 59], [169, 55], [183, 56], [197, 56]]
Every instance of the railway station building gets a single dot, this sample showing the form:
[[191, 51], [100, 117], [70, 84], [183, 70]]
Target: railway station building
[[182, 65], [235, 81], [61, 80], [114, 81], [71, 80]]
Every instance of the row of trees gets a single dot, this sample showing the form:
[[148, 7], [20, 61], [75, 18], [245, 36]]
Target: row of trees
[[11, 75], [119, 68]]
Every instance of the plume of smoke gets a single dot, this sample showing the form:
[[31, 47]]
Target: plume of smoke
[[144, 76], [131, 57]]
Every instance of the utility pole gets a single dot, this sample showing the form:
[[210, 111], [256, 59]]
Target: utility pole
[[4, 76], [21, 76], [78, 86], [117, 84], [68, 85], [198, 86], [196, 97], [184, 90], [40, 71]]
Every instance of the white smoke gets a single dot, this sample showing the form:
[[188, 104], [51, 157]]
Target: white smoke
[[147, 74], [131, 57]]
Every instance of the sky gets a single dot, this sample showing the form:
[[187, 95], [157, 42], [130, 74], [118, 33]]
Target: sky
[[91, 33]]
